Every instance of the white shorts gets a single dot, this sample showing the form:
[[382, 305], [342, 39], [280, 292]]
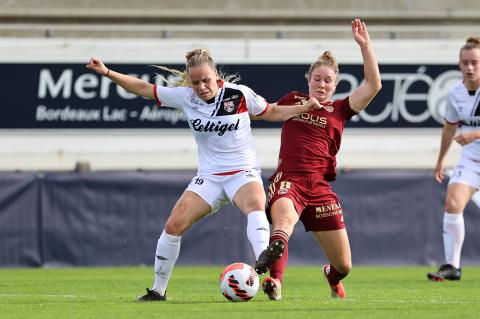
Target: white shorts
[[466, 172], [217, 190]]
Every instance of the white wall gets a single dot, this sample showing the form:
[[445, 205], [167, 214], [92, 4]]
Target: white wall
[[224, 51]]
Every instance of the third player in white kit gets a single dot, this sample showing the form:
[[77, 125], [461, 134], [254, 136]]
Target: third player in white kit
[[463, 110]]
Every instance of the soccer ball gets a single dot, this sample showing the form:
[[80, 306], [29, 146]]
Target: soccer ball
[[239, 282]]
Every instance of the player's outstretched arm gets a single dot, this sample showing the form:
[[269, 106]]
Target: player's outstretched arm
[[279, 113], [362, 96], [129, 83]]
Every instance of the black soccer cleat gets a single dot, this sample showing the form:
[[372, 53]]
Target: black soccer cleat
[[270, 255], [445, 272], [152, 295]]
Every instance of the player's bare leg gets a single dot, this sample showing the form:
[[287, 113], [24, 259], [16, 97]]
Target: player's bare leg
[[336, 246]]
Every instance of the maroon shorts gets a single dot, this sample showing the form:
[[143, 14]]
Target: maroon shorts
[[315, 202]]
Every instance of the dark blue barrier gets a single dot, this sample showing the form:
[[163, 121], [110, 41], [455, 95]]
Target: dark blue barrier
[[115, 218], [20, 220]]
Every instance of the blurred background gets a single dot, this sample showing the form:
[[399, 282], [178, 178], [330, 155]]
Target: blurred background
[[89, 170]]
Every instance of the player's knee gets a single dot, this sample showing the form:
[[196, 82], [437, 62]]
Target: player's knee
[[283, 218], [176, 227], [452, 204], [254, 203], [283, 222]]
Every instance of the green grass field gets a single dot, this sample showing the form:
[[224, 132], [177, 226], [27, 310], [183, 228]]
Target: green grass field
[[373, 292]]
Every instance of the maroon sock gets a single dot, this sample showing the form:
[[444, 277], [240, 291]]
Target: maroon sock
[[334, 276], [278, 268]]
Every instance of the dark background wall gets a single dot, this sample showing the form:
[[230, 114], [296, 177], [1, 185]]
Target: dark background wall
[[69, 96], [115, 218]]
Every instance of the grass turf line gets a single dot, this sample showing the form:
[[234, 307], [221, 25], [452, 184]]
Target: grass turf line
[[373, 292]]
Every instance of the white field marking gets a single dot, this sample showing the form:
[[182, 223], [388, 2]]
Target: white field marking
[[39, 295], [433, 301]]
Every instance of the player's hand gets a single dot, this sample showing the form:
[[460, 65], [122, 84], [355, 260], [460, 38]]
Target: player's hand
[[312, 104], [439, 173], [466, 138], [360, 33], [97, 65]]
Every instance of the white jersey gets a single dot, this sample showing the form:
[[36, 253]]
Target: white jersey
[[220, 128], [464, 109]]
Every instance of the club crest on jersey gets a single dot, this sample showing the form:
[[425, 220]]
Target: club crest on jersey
[[328, 108], [228, 106]]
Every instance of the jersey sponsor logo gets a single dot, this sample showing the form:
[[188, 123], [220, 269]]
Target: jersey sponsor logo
[[308, 118], [211, 126], [328, 210], [233, 97]]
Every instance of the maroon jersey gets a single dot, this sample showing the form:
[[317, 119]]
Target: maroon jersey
[[311, 141]]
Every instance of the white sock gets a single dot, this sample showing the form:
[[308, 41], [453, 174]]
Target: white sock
[[258, 231], [168, 248], [453, 236]]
